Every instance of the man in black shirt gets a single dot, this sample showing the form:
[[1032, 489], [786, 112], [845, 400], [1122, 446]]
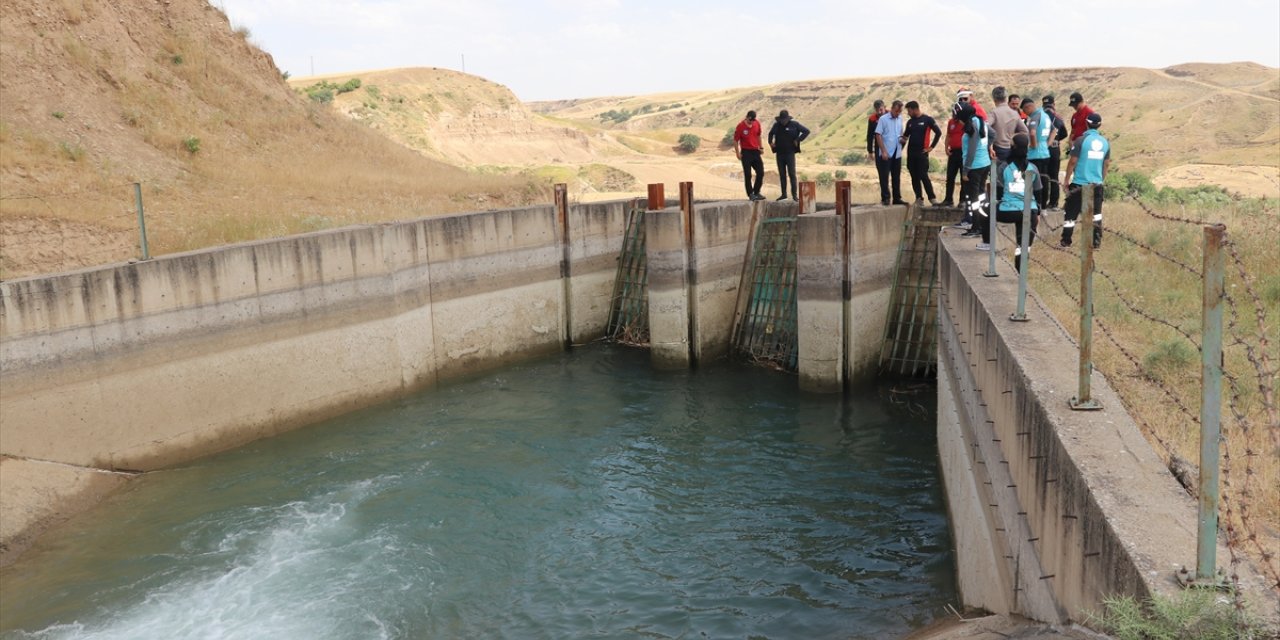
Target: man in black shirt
[[920, 136], [784, 139]]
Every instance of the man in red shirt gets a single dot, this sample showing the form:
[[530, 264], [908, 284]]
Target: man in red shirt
[[951, 145], [1079, 125], [746, 145]]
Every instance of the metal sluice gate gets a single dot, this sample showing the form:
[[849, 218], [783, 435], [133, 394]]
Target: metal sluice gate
[[908, 347], [766, 332], [629, 307]]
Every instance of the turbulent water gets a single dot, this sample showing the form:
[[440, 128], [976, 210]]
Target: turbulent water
[[575, 497]]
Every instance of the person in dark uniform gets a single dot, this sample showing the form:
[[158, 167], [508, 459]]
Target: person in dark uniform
[[873, 147], [784, 140], [921, 135]]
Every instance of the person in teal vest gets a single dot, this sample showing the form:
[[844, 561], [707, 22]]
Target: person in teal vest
[[1090, 160], [1040, 124], [975, 165], [1018, 181]]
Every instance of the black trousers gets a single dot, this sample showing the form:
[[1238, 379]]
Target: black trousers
[[890, 171], [1042, 195], [752, 160], [787, 171], [1051, 172], [975, 186], [1075, 201], [1015, 217], [918, 167], [955, 160]]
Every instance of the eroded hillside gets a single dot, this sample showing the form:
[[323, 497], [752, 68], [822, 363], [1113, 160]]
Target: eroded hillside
[[99, 94]]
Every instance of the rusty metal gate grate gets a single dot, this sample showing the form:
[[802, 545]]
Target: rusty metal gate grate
[[766, 332], [911, 329], [629, 309]]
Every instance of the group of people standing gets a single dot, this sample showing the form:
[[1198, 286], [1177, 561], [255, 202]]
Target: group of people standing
[[1016, 144]]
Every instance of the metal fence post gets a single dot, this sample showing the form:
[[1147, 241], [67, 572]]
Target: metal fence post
[[1023, 258], [1084, 400], [1210, 399], [142, 221], [991, 221]]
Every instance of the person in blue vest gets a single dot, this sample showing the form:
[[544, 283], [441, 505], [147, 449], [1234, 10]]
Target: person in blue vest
[[975, 164], [1019, 180], [1040, 124], [1090, 160]]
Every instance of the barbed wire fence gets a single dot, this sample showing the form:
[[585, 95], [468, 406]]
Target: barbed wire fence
[[1250, 391]]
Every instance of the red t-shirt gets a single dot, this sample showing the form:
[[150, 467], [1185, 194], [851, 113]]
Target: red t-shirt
[[978, 110], [1078, 124], [748, 134], [955, 134]]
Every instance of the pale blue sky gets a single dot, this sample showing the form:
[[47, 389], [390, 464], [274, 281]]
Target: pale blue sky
[[546, 49]]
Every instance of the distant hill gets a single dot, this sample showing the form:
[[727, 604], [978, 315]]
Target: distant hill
[[97, 95], [1190, 113]]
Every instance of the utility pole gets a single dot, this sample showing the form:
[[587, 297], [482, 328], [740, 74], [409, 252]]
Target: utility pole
[[464, 63], [313, 65]]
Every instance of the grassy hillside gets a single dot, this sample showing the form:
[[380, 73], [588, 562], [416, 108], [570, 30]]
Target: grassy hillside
[[101, 94]]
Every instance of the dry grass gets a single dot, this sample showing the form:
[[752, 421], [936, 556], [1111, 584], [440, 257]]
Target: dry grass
[[1155, 367]]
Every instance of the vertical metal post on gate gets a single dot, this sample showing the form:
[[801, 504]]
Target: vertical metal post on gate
[[691, 273], [1023, 258], [562, 221], [1084, 400], [991, 221], [657, 197], [142, 221], [808, 197], [1210, 399], [844, 189]]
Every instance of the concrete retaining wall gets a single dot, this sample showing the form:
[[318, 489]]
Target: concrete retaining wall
[[144, 365], [1052, 509]]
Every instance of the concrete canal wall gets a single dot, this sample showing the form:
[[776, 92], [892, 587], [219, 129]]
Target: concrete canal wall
[[1052, 510]]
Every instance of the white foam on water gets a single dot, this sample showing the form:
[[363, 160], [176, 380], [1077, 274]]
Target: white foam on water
[[302, 570]]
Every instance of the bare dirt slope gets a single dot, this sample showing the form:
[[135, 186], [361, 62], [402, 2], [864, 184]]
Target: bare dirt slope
[[98, 94], [460, 118]]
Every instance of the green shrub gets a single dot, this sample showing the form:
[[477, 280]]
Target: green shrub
[[825, 179], [176, 59], [689, 142], [841, 174], [853, 157], [822, 158], [349, 86], [1122, 185], [1192, 614], [934, 165], [58, 114], [192, 144], [373, 91], [323, 96], [727, 140]]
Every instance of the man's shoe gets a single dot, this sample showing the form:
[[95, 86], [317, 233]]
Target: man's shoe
[[934, 203], [982, 246], [971, 233], [795, 199], [782, 197], [756, 196], [1064, 243], [884, 203], [899, 201], [945, 203]]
